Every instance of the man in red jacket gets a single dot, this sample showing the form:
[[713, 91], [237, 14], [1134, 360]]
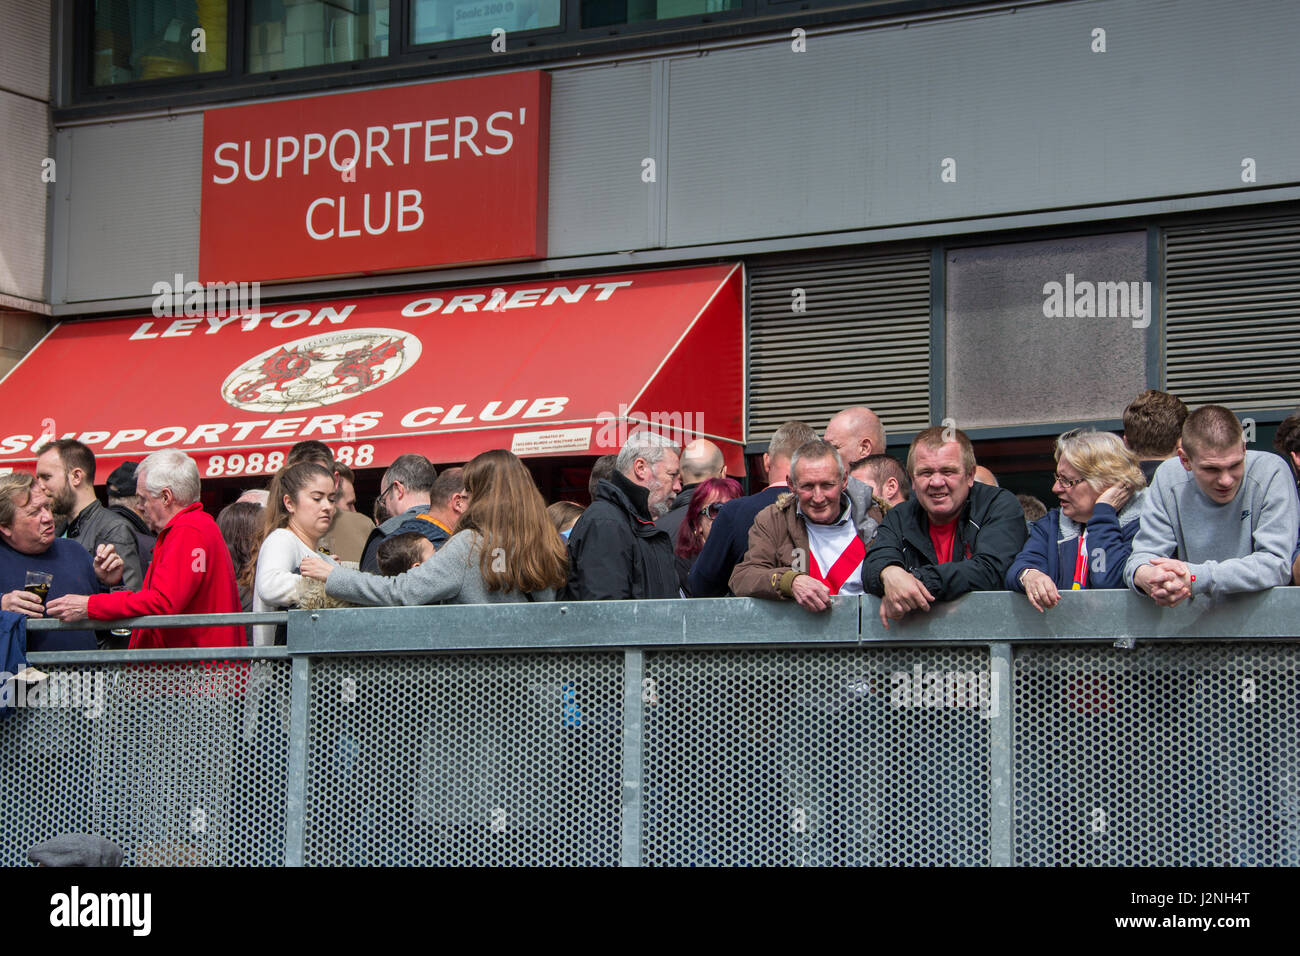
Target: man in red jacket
[[190, 573]]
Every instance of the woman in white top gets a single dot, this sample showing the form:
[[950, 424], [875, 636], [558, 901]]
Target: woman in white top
[[298, 513]]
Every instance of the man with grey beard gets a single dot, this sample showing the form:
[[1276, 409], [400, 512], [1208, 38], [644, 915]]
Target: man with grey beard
[[65, 470], [615, 550]]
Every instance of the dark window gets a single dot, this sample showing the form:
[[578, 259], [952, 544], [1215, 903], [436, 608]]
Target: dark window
[[164, 52], [288, 35], [437, 21], [157, 39], [601, 13]]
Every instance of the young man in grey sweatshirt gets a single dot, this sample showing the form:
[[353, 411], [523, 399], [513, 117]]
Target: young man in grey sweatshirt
[[1217, 520]]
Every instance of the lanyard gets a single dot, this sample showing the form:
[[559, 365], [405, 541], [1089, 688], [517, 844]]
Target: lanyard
[[425, 516], [1081, 564]]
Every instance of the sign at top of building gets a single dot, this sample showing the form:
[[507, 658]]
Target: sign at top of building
[[376, 181]]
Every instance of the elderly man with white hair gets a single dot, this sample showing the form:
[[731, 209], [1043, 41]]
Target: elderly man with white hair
[[615, 550], [190, 572]]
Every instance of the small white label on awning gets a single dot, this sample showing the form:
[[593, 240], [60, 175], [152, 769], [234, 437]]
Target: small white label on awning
[[550, 442]]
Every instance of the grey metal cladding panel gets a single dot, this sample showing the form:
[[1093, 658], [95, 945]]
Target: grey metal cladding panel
[[1009, 364], [135, 194], [26, 139], [600, 132], [25, 47], [1232, 290], [851, 134]]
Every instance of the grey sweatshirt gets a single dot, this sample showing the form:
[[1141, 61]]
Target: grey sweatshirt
[[1244, 545], [451, 575]]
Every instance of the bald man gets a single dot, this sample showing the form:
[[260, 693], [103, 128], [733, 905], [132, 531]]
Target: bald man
[[701, 460], [986, 477], [856, 434]]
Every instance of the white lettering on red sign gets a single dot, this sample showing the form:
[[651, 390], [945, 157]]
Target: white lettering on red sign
[[468, 302], [262, 430]]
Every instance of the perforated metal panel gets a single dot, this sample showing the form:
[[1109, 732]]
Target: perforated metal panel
[[1233, 323], [460, 760], [861, 336], [761, 758], [1173, 755], [1170, 754], [179, 763]]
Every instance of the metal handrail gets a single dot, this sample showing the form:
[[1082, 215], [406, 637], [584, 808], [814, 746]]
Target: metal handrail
[[978, 618]]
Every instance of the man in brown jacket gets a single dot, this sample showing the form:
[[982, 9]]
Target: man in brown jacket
[[810, 544]]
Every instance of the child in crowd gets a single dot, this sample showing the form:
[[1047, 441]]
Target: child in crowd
[[401, 552]]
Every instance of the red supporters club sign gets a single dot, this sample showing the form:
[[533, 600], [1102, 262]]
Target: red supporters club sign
[[377, 181]]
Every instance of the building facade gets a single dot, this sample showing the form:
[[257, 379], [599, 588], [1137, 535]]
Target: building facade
[[1012, 216]]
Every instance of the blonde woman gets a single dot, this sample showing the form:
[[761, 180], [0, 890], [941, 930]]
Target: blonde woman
[[1085, 540]]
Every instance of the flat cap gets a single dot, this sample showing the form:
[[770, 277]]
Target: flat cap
[[121, 483], [76, 849]]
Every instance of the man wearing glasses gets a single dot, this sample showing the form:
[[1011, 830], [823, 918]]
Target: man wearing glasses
[[419, 500]]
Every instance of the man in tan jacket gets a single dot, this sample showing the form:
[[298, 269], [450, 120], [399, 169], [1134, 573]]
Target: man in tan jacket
[[810, 544]]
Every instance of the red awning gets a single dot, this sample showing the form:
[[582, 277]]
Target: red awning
[[544, 368]]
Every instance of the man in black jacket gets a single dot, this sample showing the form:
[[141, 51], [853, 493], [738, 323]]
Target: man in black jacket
[[615, 550], [65, 469], [952, 536], [123, 501]]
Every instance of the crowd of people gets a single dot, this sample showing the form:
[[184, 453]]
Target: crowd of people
[[1178, 508]]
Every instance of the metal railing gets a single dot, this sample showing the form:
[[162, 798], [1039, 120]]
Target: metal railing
[[727, 731]]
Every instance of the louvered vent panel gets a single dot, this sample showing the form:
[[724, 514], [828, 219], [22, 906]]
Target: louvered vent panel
[[863, 339], [1232, 294]]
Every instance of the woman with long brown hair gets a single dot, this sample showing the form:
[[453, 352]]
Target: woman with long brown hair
[[298, 513], [505, 549]]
